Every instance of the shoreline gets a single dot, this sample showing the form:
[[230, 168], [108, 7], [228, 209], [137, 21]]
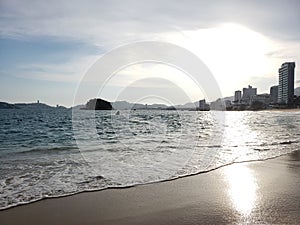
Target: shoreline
[[263, 110], [207, 197], [142, 184]]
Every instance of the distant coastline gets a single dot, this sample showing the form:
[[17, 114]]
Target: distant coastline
[[124, 105], [6, 105]]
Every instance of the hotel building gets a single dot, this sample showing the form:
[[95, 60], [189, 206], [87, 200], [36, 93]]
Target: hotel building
[[286, 83]]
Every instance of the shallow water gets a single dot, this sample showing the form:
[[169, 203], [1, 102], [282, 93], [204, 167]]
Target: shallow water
[[49, 153]]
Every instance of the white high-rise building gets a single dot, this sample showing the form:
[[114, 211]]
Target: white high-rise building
[[286, 83]]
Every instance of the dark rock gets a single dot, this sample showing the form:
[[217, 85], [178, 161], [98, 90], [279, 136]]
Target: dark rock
[[98, 104], [171, 108]]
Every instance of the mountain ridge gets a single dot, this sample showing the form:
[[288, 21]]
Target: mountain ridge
[[118, 105]]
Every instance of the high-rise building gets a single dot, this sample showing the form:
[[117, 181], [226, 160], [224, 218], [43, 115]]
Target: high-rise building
[[203, 106], [286, 83], [274, 94], [248, 93], [237, 96]]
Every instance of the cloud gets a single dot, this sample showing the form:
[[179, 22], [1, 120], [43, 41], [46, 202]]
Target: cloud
[[71, 71], [115, 22]]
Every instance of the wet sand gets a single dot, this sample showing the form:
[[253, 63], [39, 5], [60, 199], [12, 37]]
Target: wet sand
[[266, 192]]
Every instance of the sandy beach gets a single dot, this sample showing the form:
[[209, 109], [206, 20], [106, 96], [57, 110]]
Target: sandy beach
[[265, 192]]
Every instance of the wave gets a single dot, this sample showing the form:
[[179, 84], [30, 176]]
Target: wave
[[48, 149], [287, 142], [138, 184]]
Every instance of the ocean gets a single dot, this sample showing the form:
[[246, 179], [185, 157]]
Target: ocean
[[56, 152]]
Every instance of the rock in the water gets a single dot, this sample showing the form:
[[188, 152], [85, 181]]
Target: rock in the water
[[98, 104]]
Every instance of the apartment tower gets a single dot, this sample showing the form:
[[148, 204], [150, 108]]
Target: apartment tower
[[286, 83]]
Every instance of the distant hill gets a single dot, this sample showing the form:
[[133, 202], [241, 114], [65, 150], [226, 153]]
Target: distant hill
[[123, 105], [230, 98], [157, 106], [33, 106], [28, 106], [5, 105], [77, 107], [189, 105]]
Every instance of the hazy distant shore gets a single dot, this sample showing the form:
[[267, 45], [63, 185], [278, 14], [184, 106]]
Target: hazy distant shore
[[285, 110], [255, 192]]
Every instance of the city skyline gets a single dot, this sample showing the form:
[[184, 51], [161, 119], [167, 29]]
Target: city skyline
[[238, 95], [285, 85]]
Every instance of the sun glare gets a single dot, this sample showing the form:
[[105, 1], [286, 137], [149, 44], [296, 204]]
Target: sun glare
[[152, 77], [242, 188], [232, 52], [235, 55]]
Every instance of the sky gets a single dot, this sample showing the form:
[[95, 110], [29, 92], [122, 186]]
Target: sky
[[49, 48]]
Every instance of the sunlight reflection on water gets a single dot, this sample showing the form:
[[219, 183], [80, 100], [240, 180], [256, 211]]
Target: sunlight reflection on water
[[240, 136]]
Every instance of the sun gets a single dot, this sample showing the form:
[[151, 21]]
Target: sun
[[234, 53]]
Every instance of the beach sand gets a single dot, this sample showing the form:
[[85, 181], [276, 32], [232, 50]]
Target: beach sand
[[266, 192]]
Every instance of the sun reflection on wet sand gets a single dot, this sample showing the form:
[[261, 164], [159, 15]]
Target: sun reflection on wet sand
[[242, 188]]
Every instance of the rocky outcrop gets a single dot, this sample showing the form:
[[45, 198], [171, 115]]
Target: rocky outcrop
[[98, 104]]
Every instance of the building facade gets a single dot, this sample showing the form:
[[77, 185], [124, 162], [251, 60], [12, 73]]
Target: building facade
[[248, 93], [203, 106], [237, 96], [218, 105], [286, 83], [274, 94], [263, 98]]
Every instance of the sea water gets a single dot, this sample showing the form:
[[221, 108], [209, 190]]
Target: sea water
[[56, 152]]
